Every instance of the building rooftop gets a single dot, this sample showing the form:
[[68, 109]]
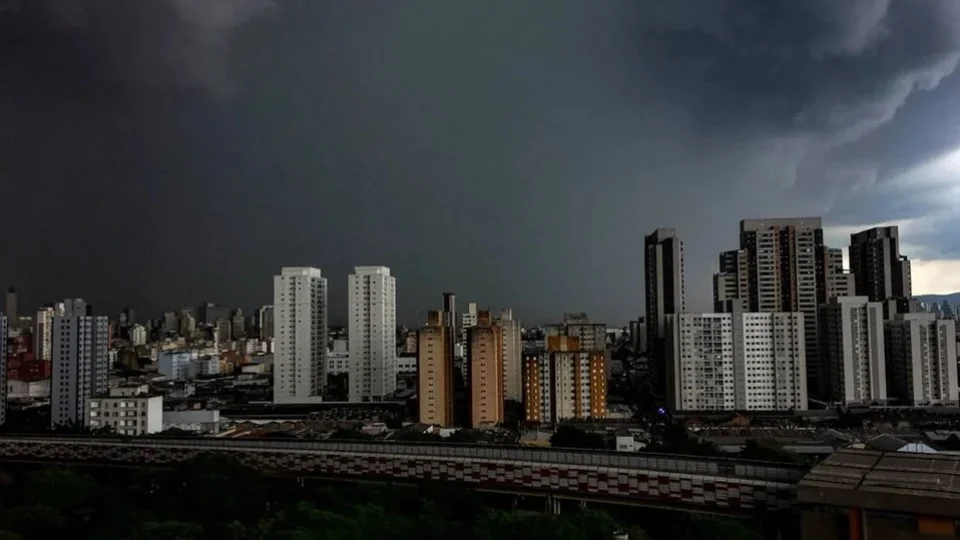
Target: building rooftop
[[758, 224], [919, 483]]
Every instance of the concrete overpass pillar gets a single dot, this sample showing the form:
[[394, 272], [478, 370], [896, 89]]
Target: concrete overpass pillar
[[553, 505]]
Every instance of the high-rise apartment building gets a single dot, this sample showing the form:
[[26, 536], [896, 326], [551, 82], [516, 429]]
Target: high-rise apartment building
[[921, 353], [564, 382], [731, 283], [300, 333], [779, 257], [188, 324], [880, 271], [512, 356], [221, 331], [663, 262], [468, 320], [450, 314], [372, 297], [237, 325], [80, 362], [852, 349], [13, 317], [590, 336], [265, 322], [638, 335], [43, 333], [138, 335], [435, 371], [833, 280], [724, 291], [485, 368], [171, 324], [736, 361], [3, 368]]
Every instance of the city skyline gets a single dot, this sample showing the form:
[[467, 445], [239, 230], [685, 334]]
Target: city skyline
[[413, 316], [455, 148]]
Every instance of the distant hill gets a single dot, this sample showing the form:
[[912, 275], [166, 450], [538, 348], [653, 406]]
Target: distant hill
[[953, 298]]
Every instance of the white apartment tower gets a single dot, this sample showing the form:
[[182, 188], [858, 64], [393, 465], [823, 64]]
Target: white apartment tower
[[43, 333], [80, 362], [300, 334], [852, 349], [922, 359], [736, 361], [373, 325], [512, 356]]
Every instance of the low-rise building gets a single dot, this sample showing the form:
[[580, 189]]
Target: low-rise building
[[204, 421], [406, 365], [128, 410], [175, 364], [204, 367], [28, 389]]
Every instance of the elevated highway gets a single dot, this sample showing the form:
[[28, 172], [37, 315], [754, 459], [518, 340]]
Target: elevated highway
[[716, 485]]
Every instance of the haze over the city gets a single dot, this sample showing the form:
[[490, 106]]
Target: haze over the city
[[165, 152]]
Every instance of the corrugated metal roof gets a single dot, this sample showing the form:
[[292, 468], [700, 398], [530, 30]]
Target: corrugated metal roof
[[865, 473]]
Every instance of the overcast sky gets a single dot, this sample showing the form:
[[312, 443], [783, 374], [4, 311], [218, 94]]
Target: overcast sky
[[160, 153]]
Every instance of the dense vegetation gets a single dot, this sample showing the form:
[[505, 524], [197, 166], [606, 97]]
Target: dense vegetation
[[213, 498]]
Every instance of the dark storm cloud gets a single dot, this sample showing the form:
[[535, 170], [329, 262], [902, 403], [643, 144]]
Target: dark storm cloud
[[181, 150], [159, 43]]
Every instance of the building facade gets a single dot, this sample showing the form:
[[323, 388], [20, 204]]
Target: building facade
[[450, 314], [265, 322], [175, 364], [138, 335], [725, 292], [43, 333], [921, 353], [372, 298], [485, 372], [435, 374], [300, 334], [778, 258], [205, 366], [833, 280], [80, 362], [512, 356], [664, 292], [468, 320], [564, 382], [852, 348], [881, 272], [736, 361], [200, 421], [13, 317], [130, 410]]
